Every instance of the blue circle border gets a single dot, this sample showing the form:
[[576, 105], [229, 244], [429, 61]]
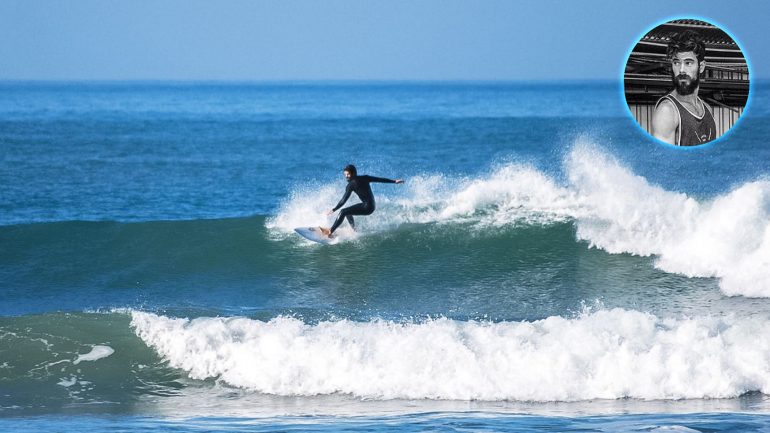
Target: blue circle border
[[622, 92]]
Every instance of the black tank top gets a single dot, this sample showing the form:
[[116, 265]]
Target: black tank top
[[692, 130]]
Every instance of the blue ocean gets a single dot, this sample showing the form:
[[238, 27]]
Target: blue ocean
[[545, 266]]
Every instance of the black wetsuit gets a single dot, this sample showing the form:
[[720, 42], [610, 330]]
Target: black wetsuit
[[359, 185]]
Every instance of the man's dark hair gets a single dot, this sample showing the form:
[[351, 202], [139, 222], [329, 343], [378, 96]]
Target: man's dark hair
[[688, 40], [350, 168]]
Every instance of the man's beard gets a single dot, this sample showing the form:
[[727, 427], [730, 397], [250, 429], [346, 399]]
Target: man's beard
[[684, 84]]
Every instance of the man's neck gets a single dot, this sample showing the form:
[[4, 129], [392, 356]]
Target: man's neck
[[689, 99]]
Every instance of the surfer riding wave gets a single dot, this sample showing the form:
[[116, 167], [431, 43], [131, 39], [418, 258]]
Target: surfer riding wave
[[361, 186]]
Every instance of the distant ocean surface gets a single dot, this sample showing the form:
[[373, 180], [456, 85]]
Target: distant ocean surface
[[545, 266]]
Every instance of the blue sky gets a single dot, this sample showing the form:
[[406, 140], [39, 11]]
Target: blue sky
[[347, 39]]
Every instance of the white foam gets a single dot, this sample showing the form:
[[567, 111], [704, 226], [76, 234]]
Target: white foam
[[96, 353], [606, 354], [673, 428], [305, 207], [624, 213], [68, 382], [727, 237]]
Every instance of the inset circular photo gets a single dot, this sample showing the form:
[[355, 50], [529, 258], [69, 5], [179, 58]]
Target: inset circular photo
[[686, 82]]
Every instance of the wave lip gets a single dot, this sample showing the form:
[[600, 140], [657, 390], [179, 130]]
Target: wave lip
[[730, 240], [727, 237], [608, 354]]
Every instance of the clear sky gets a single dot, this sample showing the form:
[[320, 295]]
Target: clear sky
[[348, 39]]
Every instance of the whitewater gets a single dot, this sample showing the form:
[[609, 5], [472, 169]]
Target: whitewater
[[605, 354]]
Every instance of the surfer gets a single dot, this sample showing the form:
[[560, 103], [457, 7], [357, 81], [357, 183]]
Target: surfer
[[359, 185]]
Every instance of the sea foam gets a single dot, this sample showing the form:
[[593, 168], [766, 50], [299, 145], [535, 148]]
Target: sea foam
[[606, 354], [727, 236], [97, 352]]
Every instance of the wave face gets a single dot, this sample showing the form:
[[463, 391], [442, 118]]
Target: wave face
[[235, 267], [727, 236], [608, 354]]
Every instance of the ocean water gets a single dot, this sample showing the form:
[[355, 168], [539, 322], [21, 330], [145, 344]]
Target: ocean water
[[545, 266]]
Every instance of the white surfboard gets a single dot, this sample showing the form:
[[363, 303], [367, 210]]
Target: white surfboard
[[314, 234]]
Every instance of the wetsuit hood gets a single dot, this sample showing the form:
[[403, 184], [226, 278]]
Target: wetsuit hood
[[350, 168]]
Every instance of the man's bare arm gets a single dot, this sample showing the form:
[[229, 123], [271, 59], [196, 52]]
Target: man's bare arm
[[665, 120]]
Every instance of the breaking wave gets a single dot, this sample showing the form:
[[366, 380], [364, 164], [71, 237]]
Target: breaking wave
[[726, 237], [606, 354]]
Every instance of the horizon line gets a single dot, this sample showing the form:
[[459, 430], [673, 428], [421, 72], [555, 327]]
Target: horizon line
[[318, 81], [297, 81]]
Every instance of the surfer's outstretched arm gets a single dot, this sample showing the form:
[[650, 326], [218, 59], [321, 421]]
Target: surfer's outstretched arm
[[382, 179], [348, 191]]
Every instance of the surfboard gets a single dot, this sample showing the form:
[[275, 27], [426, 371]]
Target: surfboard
[[313, 234]]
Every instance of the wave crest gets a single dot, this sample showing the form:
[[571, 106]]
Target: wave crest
[[727, 237]]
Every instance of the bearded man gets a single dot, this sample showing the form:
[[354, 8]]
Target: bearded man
[[682, 118]]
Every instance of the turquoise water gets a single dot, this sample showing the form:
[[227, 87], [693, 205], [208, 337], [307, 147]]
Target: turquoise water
[[544, 266]]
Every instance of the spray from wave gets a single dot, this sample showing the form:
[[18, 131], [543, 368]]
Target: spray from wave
[[727, 237], [512, 194], [606, 354]]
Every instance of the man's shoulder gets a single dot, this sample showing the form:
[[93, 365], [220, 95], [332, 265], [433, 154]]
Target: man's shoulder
[[665, 101], [665, 107]]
